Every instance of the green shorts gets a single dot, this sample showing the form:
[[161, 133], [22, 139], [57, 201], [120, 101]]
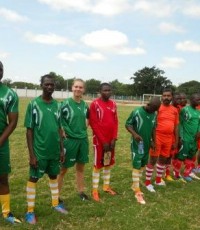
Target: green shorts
[[5, 167], [50, 167], [187, 150], [138, 160], [76, 151]]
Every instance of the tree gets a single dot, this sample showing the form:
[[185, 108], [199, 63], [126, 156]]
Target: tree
[[150, 80], [7, 82], [92, 86], [189, 87], [60, 81]]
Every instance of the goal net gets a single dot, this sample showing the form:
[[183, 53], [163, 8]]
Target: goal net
[[147, 97]]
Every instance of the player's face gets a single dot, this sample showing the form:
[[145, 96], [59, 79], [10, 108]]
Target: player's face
[[183, 100], [78, 88], [176, 100], [106, 92], [166, 98], [48, 86], [195, 101]]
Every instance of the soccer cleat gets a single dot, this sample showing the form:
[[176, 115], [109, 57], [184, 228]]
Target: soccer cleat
[[11, 219], [30, 218], [139, 197], [196, 170], [162, 183], [193, 176], [169, 178], [187, 178], [83, 196], [180, 178], [60, 208], [150, 188], [95, 196], [110, 191]]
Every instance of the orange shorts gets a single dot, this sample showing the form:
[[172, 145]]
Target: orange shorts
[[163, 146]]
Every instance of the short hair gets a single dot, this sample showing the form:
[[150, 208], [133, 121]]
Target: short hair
[[104, 84], [1, 65], [46, 76], [194, 95], [78, 79], [168, 90]]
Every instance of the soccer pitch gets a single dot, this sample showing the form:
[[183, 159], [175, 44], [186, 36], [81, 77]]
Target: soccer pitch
[[174, 207]]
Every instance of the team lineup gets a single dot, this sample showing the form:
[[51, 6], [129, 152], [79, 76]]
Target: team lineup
[[165, 136]]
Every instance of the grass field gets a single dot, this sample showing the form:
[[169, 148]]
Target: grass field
[[175, 207]]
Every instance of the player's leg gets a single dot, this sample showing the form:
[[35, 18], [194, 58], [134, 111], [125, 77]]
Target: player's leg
[[5, 169], [81, 159]]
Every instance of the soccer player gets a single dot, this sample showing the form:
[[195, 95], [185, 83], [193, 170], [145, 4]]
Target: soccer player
[[8, 123], [183, 102], [176, 100], [45, 146], [189, 134], [104, 123], [166, 129], [74, 117], [140, 124]]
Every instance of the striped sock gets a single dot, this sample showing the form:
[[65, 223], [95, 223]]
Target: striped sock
[[106, 178], [167, 170], [5, 203], [30, 195], [53, 184], [159, 172], [136, 179], [95, 179], [149, 173]]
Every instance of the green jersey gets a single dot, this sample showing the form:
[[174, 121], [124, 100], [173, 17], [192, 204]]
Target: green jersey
[[142, 123], [189, 123], [8, 104], [73, 117], [44, 119]]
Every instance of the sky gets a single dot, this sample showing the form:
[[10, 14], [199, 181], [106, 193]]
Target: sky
[[100, 39]]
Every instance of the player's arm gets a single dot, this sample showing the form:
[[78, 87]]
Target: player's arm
[[12, 123], [29, 139], [62, 155], [115, 133], [129, 127], [176, 135]]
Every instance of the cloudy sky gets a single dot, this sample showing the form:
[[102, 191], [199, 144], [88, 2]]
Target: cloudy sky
[[101, 39]]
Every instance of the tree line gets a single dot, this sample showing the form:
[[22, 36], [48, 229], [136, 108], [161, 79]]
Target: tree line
[[149, 80]]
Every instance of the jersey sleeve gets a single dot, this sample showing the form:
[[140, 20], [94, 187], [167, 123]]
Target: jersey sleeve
[[131, 120], [28, 121], [13, 103], [116, 124]]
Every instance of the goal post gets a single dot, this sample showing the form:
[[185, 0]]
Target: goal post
[[147, 97]]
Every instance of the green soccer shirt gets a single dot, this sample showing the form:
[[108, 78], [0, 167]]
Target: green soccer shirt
[[143, 124], [8, 104], [189, 123], [73, 117], [44, 119]]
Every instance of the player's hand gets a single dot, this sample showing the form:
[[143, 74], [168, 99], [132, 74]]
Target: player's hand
[[198, 136], [33, 161], [153, 145], [62, 157], [112, 144], [106, 147], [137, 137], [174, 146]]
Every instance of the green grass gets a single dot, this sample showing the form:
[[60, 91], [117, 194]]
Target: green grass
[[175, 207]]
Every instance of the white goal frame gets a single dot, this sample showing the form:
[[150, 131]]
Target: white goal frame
[[147, 97]]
